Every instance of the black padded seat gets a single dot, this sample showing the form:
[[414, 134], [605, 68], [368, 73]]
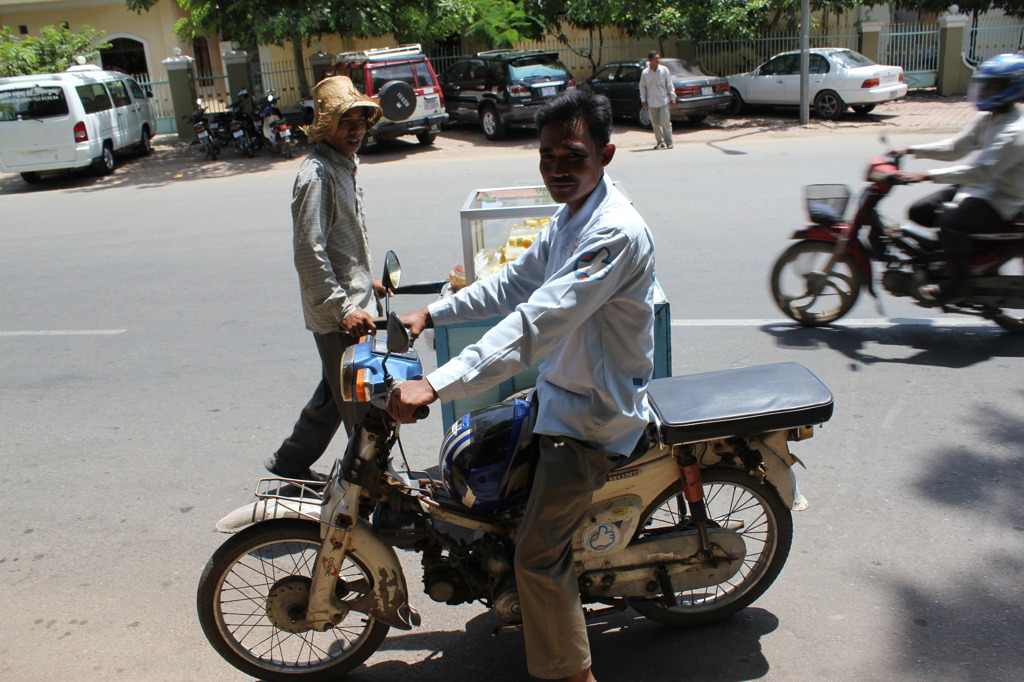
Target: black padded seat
[[739, 402]]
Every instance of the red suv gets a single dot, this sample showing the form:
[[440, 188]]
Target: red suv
[[403, 82]]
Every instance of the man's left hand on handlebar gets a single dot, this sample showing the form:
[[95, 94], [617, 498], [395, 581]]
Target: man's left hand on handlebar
[[911, 177], [405, 398]]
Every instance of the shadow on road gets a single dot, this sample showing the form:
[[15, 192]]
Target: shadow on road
[[913, 343], [622, 646]]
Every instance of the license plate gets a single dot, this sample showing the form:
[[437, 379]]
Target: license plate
[[431, 104], [286, 133], [548, 92], [238, 133], [707, 90], [203, 135]]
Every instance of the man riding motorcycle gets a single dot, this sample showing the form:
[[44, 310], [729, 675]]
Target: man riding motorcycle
[[988, 191]]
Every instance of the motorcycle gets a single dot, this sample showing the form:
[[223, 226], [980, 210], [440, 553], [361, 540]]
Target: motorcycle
[[277, 134], [201, 126], [693, 527], [237, 128], [817, 280]]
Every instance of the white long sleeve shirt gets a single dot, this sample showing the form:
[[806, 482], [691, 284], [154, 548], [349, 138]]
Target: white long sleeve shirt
[[582, 298], [656, 86], [997, 173]]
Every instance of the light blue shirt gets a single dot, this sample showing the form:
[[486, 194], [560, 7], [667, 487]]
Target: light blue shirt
[[582, 299]]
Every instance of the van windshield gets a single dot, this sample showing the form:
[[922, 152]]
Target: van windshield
[[34, 102]]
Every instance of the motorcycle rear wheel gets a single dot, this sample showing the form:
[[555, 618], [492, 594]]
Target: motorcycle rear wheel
[[262, 571], [1011, 319], [767, 528], [800, 270]]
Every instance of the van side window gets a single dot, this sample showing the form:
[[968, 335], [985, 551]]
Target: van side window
[[119, 93], [94, 97], [135, 89]]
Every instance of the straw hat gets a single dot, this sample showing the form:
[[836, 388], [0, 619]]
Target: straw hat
[[332, 97]]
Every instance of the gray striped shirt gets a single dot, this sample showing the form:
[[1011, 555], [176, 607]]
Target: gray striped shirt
[[331, 251]]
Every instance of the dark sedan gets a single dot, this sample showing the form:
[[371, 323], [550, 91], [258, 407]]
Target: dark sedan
[[697, 94]]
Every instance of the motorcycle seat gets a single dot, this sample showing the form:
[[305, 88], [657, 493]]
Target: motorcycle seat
[[738, 402]]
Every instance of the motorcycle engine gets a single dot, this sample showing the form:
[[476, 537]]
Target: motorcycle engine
[[898, 282]]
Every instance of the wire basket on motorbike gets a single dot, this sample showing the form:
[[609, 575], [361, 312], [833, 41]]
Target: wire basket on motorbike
[[826, 204]]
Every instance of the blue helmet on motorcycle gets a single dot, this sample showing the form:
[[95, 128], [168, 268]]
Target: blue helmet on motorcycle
[[486, 457], [997, 82]]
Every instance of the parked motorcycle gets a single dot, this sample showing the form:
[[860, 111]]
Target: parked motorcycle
[[201, 127], [277, 134], [237, 128], [691, 528], [817, 280]]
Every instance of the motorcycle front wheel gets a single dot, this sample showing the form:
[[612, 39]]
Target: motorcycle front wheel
[[252, 599], [734, 500], [810, 291]]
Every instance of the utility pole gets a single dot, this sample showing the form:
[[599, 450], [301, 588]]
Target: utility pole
[[805, 45]]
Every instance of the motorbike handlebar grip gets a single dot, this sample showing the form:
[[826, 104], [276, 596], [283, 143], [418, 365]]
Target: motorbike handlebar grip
[[421, 412], [380, 323]]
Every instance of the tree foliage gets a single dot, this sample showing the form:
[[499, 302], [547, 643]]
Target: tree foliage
[[54, 49]]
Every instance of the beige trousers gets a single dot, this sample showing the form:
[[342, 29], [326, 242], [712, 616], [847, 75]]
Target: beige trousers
[[568, 473], [661, 121]]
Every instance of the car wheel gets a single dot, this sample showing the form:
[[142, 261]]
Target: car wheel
[[426, 139], [104, 163], [696, 118], [31, 177], [863, 109], [829, 105], [736, 104], [642, 116], [145, 146], [493, 125]]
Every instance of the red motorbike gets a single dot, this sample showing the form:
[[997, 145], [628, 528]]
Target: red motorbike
[[817, 280]]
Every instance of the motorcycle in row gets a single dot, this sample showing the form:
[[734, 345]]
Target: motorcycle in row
[[277, 134], [206, 137], [693, 527], [817, 280]]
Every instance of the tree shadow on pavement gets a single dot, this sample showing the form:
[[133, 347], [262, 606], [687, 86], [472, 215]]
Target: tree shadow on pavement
[[622, 645], [912, 343]]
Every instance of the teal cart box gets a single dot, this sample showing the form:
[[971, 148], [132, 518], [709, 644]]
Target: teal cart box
[[450, 340]]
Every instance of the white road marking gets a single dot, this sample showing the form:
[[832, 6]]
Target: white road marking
[[67, 332], [877, 322]]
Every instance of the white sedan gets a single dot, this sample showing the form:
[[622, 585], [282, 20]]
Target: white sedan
[[838, 78]]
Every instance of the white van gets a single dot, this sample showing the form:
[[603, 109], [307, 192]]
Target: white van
[[78, 118]]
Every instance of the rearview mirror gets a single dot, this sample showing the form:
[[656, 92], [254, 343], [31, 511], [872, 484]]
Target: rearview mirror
[[392, 271], [398, 335]]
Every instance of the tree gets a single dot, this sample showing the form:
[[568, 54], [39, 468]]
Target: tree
[[300, 22], [54, 49]]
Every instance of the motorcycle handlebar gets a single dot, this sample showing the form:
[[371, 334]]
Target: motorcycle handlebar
[[421, 412]]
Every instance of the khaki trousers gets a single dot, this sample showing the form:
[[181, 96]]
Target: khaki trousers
[[568, 473], [661, 121]]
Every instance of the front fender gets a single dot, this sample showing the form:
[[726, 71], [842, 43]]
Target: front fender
[[854, 249], [389, 599]]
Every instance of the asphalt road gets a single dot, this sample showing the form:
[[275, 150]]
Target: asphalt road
[[152, 354]]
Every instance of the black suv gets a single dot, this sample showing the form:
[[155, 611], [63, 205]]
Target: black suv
[[502, 88]]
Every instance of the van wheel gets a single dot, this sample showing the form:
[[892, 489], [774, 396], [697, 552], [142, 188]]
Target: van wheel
[[104, 163], [145, 146], [31, 177]]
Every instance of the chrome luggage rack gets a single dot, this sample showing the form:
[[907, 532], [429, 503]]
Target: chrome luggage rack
[[301, 495]]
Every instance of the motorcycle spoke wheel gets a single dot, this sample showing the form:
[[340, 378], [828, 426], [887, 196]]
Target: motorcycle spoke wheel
[[810, 291], [251, 602], [737, 501]]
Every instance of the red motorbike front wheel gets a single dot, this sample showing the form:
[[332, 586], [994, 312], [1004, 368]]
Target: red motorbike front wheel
[[812, 286]]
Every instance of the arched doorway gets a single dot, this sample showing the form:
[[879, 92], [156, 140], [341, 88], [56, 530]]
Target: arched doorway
[[126, 55]]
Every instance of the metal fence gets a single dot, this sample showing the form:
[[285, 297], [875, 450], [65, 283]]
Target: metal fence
[[160, 102], [915, 47], [985, 42], [725, 57], [281, 79]]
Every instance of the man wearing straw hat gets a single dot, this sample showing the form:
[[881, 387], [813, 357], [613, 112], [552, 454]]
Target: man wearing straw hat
[[333, 261]]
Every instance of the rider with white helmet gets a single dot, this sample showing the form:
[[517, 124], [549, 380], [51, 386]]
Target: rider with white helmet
[[989, 190]]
